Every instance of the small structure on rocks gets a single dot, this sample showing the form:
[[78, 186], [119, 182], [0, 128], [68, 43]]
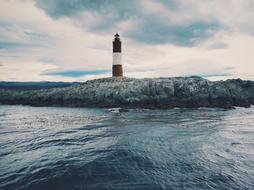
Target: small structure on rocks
[[117, 70]]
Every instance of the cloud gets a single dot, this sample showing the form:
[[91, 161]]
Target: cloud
[[112, 9], [219, 45], [185, 23], [187, 35], [34, 34], [62, 40], [13, 45], [150, 25]]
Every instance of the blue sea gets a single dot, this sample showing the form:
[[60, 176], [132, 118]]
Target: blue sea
[[55, 148]]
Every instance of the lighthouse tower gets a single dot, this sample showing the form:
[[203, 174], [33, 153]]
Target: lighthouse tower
[[117, 70]]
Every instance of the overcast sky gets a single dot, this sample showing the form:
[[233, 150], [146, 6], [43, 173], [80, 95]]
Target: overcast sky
[[71, 40]]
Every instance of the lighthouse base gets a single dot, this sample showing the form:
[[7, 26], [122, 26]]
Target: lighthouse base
[[117, 71]]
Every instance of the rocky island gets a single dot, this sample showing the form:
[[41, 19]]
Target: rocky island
[[189, 92]]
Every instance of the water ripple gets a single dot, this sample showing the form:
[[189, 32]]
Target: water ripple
[[78, 148]]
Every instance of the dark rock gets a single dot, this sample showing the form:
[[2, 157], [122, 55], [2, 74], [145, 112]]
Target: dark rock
[[142, 93]]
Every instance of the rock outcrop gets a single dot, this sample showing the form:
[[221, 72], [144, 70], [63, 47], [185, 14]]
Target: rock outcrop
[[144, 93]]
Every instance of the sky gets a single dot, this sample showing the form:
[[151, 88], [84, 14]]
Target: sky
[[71, 40]]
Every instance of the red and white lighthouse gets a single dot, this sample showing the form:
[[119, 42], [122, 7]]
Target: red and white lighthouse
[[117, 70]]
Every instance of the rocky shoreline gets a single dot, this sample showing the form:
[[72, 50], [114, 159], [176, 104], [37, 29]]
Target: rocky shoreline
[[187, 92]]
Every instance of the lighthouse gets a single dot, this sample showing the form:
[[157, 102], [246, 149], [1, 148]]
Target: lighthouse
[[117, 70]]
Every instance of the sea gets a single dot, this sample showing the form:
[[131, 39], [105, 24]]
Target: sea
[[56, 148]]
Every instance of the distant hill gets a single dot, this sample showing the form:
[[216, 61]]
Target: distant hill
[[34, 85]]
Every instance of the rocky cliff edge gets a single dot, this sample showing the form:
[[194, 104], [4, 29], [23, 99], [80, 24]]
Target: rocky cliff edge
[[125, 92]]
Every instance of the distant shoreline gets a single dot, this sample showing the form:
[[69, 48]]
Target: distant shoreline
[[9, 85]]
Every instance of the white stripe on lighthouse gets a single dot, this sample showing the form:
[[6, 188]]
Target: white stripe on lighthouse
[[117, 58]]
